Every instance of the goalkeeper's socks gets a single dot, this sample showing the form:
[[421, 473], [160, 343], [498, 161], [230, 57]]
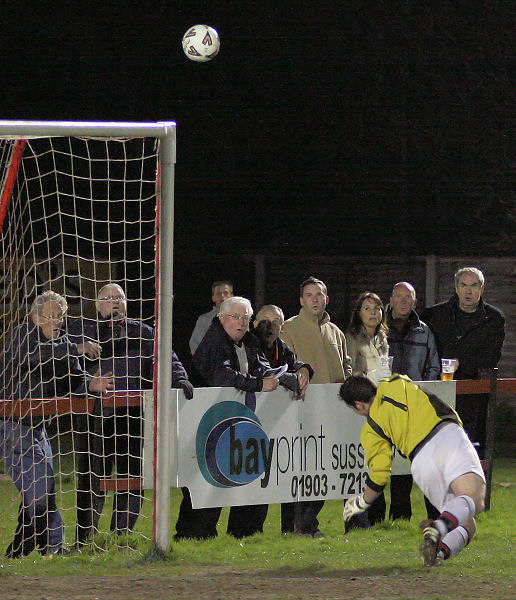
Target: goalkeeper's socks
[[458, 510], [453, 542]]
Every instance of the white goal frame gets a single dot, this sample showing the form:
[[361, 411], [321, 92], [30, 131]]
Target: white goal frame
[[165, 132]]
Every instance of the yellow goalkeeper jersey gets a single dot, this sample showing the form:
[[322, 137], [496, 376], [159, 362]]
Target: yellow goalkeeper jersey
[[401, 415]]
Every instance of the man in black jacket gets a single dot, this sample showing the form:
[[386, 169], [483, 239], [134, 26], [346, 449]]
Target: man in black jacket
[[228, 356], [267, 327], [114, 436], [473, 331]]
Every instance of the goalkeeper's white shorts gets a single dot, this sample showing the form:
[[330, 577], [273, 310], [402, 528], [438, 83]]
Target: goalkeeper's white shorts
[[446, 456]]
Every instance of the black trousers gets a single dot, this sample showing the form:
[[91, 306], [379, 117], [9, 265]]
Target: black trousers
[[305, 520], [472, 409], [104, 443], [30, 534], [288, 511], [195, 523], [201, 523]]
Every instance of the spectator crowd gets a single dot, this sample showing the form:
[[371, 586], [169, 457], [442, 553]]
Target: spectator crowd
[[232, 345]]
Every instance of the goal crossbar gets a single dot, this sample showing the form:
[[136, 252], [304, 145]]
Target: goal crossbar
[[32, 129]]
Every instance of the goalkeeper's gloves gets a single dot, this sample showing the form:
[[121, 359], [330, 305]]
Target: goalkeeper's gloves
[[354, 506]]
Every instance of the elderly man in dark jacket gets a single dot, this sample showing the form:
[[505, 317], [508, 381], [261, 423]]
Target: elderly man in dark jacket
[[267, 326], [40, 361], [114, 436], [467, 328], [229, 356]]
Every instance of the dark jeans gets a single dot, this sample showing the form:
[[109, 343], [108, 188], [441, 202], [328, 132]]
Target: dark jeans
[[306, 516], [288, 511], [104, 443], [195, 523], [247, 520], [30, 533], [401, 507]]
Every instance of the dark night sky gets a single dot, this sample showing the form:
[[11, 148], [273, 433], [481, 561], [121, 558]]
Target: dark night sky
[[321, 127]]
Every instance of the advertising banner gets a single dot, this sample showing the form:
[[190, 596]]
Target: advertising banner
[[233, 448]]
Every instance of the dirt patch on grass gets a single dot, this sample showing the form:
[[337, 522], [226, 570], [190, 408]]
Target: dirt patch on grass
[[215, 584]]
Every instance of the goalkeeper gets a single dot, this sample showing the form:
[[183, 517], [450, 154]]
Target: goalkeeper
[[444, 463], [114, 436]]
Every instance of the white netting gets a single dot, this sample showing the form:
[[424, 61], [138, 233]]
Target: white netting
[[81, 213]]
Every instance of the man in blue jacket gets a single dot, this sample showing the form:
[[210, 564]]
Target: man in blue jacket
[[40, 361], [114, 436], [411, 342]]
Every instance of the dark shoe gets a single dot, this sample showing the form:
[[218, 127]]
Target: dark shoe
[[10, 553], [317, 534], [430, 543], [61, 551]]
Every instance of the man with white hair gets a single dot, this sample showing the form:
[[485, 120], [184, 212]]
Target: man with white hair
[[267, 327], [40, 361], [228, 356], [467, 328]]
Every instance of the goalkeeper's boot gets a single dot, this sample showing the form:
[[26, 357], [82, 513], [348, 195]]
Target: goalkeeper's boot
[[430, 544]]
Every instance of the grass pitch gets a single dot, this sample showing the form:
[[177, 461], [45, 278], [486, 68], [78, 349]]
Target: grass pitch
[[388, 548]]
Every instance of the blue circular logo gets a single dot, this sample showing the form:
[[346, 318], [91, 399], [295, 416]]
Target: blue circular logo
[[229, 445]]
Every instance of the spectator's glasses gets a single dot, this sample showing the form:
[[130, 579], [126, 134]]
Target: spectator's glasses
[[58, 319], [244, 318], [112, 298]]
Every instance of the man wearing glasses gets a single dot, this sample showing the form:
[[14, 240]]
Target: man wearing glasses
[[228, 356], [114, 436]]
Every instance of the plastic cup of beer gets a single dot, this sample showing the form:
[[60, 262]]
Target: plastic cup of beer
[[448, 368], [386, 361]]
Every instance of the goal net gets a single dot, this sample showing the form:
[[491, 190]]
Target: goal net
[[83, 329]]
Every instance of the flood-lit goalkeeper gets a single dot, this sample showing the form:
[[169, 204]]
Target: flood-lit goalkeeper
[[444, 463]]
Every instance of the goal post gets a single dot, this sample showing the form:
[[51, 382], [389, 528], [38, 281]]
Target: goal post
[[85, 204]]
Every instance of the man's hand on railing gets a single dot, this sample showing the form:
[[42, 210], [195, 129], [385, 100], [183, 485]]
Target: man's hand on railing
[[101, 382], [187, 387]]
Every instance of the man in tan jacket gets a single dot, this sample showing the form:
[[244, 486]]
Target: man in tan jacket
[[320, 343]]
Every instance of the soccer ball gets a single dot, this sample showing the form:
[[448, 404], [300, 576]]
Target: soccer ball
[[201, 43]]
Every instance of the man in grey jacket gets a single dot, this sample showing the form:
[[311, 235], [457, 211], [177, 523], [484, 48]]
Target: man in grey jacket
[[220, 291], [411, 342], [414, 349]]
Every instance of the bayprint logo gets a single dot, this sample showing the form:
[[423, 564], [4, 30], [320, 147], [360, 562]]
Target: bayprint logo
[[232, 448]]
